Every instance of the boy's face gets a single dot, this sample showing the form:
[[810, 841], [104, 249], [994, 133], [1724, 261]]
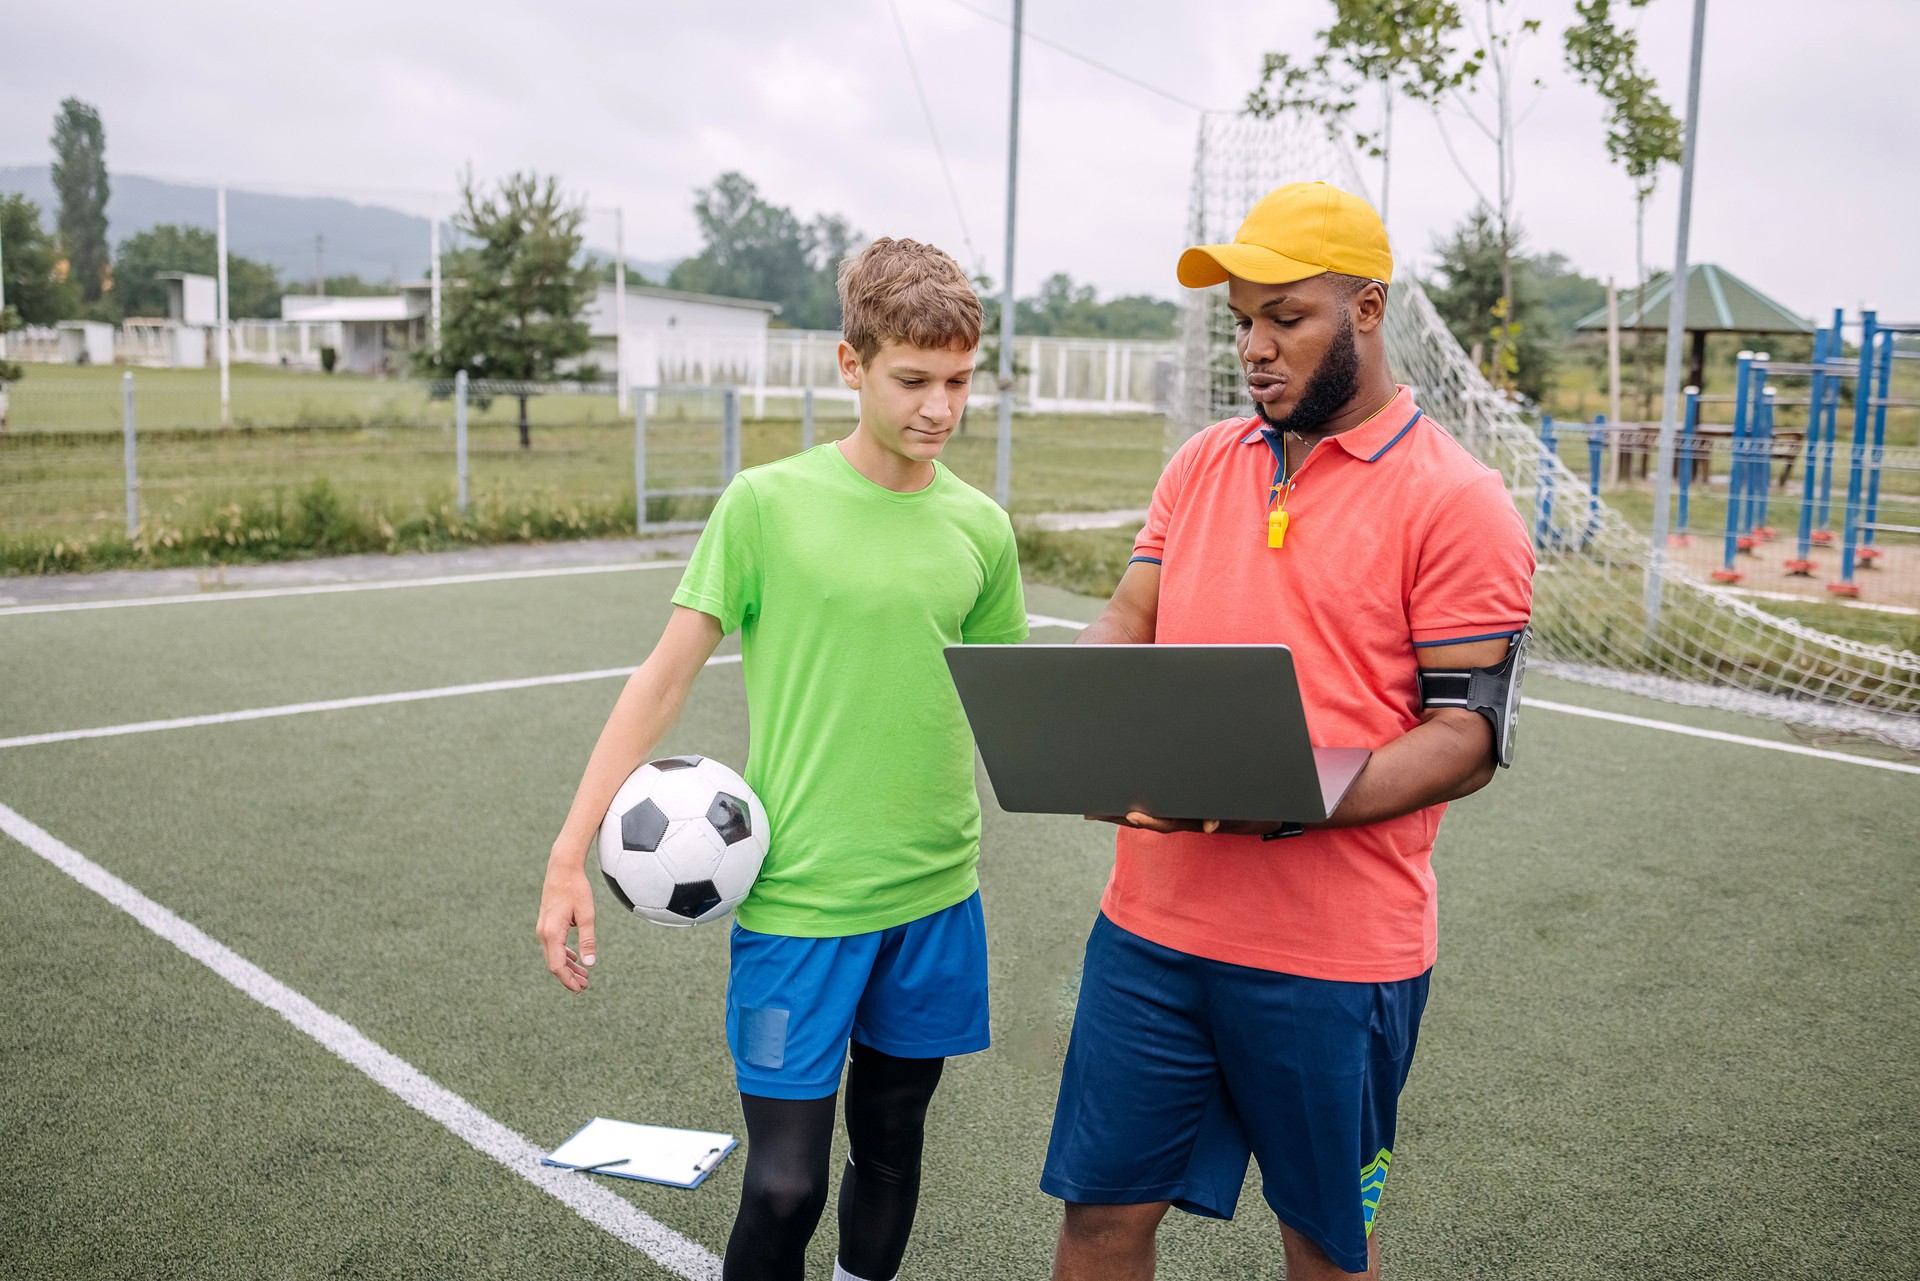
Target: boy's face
[[910, 397]]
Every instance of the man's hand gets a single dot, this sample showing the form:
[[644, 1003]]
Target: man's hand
[[1208, 826], [566, 902]]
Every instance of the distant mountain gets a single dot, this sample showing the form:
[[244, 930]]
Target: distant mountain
[[374, 243]]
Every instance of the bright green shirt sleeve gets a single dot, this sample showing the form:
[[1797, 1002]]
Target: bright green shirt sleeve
[[999, 617], [724, 576]]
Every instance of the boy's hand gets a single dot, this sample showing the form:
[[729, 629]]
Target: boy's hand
[[566, 901]]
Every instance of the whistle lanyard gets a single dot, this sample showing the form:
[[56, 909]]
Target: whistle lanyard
[[1280, 491]]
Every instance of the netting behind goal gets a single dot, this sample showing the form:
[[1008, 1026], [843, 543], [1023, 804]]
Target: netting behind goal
[[1708, 648]]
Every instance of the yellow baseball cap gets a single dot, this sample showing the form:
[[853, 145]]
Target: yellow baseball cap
[[1296, 231]]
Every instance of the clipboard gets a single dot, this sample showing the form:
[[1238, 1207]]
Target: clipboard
[[647, 1153]]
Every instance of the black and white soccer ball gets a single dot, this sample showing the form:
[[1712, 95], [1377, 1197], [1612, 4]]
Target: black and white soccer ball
[[683, 840]]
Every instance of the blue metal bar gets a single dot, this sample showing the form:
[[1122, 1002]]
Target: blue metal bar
[[1874, 459], [1596, 447], [1743, 379], [1687, 439], [1836, 351], [1762, 473], [1543, 497], [1850, 536], [1815, 397]]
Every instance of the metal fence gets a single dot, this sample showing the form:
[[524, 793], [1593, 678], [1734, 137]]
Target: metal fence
[[121, 464]]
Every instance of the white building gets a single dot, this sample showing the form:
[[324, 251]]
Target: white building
[[675, 337], [376, 333]]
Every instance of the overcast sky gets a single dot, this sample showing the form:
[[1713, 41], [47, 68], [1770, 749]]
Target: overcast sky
[[1809, 175]]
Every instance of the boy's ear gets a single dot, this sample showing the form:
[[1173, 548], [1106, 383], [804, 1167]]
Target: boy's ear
[[851, 370]]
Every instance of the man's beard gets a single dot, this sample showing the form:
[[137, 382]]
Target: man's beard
[[1330, 387]]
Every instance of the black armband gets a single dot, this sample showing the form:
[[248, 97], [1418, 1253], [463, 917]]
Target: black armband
[[1494, 692]]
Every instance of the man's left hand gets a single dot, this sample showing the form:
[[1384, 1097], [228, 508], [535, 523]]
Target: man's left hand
[[1208, 826]]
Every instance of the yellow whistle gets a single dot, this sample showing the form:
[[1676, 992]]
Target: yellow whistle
[[1276, 527]]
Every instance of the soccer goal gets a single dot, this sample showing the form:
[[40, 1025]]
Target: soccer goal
[[1708, 647]]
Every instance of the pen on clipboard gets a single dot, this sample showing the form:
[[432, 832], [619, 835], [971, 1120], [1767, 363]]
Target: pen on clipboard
[[598, 1166]]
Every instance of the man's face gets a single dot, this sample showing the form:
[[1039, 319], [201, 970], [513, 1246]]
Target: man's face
[[911, 398], [1297, 347]]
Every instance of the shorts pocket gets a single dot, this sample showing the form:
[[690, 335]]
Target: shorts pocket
[[763, 1037]]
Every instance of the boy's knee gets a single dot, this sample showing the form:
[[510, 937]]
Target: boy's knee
[[784, 1199]]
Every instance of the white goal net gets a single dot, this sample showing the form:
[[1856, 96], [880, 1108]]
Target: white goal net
[[1708, 648]]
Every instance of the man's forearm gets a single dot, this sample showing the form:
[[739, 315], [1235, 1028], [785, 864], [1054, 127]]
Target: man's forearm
[[1446, 757]]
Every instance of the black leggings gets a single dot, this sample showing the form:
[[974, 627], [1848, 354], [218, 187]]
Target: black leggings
[[789, 1144]]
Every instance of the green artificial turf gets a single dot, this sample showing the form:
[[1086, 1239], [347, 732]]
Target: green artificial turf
[[1671, 1032]]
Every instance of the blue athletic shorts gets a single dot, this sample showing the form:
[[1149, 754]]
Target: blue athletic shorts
[[1180, 1068], [916, 991]]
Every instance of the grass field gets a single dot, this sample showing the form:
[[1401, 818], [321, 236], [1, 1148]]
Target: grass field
[[1672, 1030], [386, 455]]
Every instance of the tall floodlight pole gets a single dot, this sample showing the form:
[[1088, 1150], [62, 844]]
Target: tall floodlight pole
[[620, 309], [433, 279], [3, 297], [1676, 327], [220, 223], [1003, 457]]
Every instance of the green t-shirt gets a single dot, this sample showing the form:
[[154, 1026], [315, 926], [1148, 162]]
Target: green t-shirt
[[845, 593]]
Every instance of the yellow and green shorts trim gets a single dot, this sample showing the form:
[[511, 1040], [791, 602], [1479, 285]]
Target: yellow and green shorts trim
[[1373, 1182]]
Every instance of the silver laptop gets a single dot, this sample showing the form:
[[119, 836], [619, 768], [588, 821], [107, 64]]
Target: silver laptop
[[1176, 731]]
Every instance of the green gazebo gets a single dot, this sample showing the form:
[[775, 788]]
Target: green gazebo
[[1718, 302]]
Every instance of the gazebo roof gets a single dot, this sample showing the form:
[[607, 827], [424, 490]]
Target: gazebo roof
[[1718, 302]]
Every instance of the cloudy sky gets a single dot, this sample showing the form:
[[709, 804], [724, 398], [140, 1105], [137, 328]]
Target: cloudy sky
[[1809, 172]]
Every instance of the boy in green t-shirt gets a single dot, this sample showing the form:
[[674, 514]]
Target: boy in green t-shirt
[[847, 570]]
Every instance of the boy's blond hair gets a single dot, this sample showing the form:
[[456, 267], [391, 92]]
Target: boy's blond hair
[[902, 291]]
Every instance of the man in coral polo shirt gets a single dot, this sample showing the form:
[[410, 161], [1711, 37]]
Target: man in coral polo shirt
[[1246, 995]]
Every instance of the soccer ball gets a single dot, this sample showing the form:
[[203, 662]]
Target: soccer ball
[[683, 840]]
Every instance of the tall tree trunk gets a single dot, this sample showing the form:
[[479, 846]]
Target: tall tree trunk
[[1640, 338], [1503, 155], [526, 438]]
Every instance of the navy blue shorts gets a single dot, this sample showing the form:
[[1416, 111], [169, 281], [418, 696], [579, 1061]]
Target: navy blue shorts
[[1180, 1068], [915, 991]]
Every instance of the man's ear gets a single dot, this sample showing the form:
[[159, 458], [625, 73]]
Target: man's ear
[[1369, 307]]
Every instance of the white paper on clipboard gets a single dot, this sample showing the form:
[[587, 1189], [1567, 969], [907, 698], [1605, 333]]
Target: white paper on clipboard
[[651, 1153]]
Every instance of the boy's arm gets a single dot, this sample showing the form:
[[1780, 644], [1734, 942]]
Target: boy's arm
[[645, 711]]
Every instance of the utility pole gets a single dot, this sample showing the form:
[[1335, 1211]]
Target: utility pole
[[1003, 458], [226, 413], [433, 292], [1676, 328], [620, 309], [319, 266]]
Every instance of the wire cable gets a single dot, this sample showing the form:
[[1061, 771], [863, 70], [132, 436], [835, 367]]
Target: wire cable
[[1077, 56], [926, 110]]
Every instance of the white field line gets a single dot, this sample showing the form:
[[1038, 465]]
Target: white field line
[[1033, 620], [331, 705], [411, 1086], [1719, 736], [328, 589], [1642, 722]]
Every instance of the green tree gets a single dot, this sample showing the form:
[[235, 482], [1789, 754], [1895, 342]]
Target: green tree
[[80, 176], [1418, 50], [1405, 47], [37, 286], [756, 249], [1063, 309], [1566, 294], [1642, 131], [253, 288], [1484, 300], [513, 296]]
